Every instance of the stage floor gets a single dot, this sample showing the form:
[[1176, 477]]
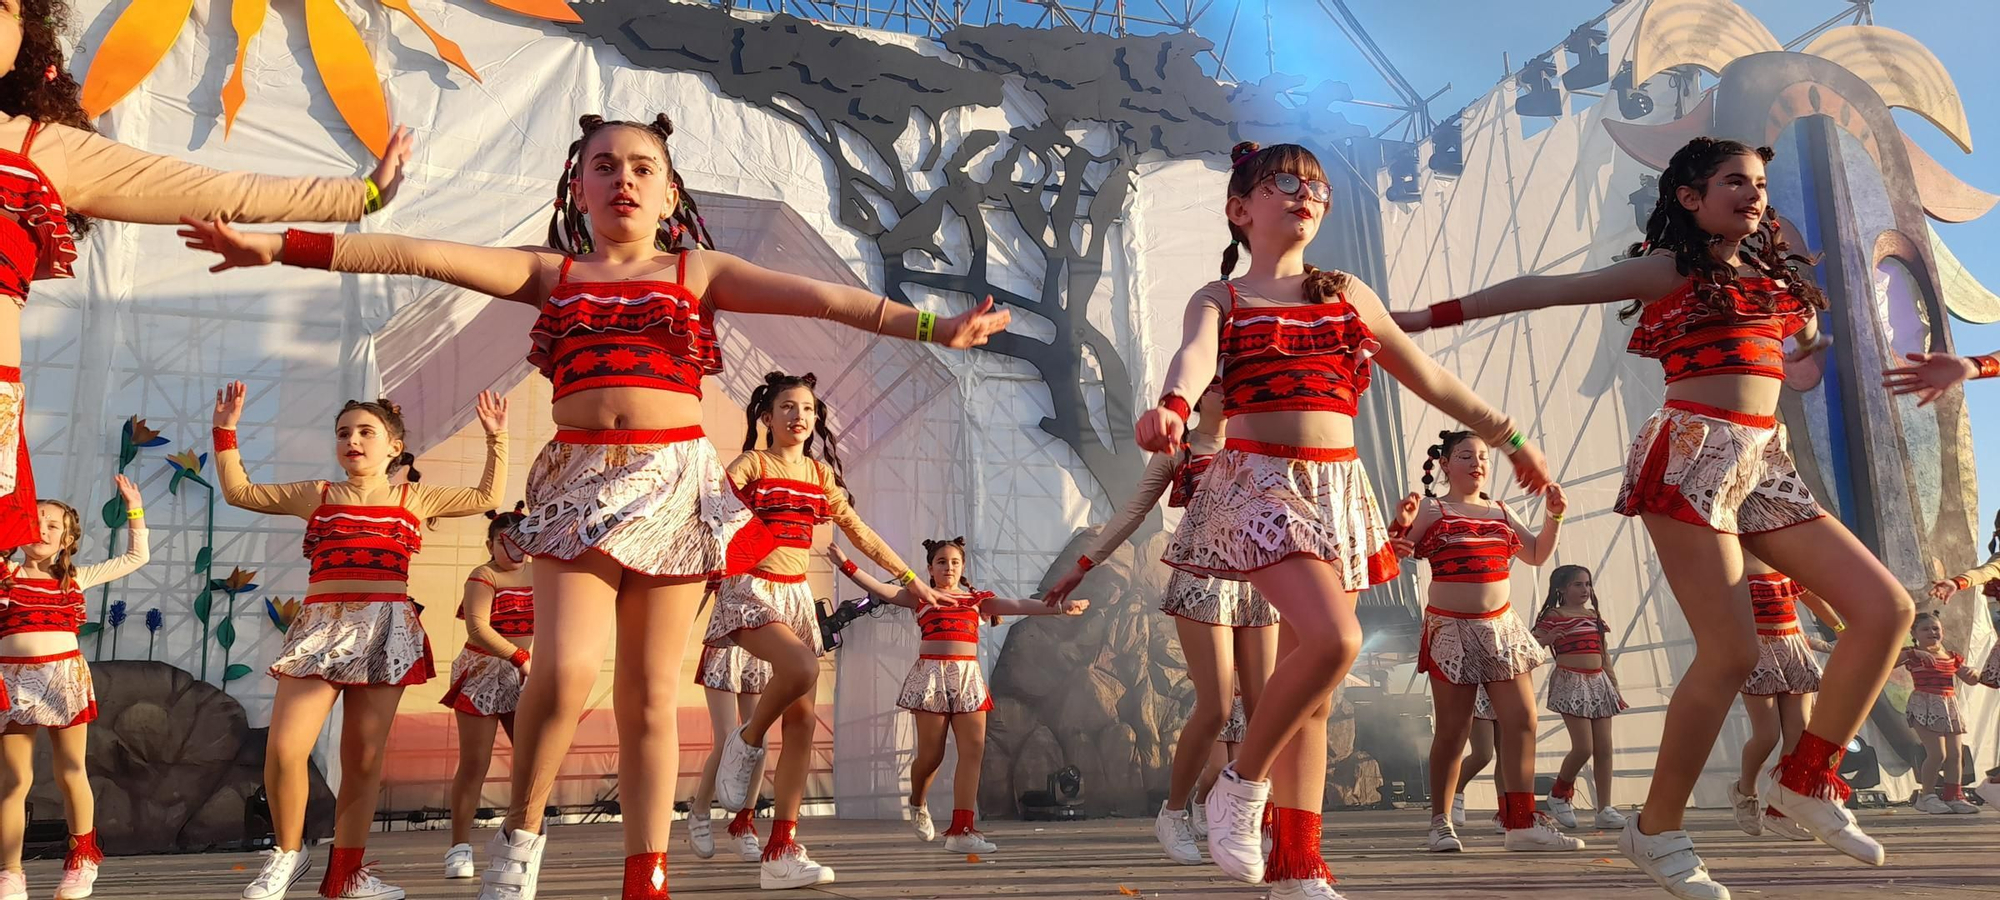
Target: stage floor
[[1375, 854]]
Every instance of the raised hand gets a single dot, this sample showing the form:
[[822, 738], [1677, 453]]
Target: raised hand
[[492, 412], [127, 491], [388, 174], [972, 327], [229, 405], [238, 249]]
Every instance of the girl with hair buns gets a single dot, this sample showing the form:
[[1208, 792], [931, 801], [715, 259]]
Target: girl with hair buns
[[1778, 695], [1983, 576], [499, 613], [358, 639], [1717, 292], [1286, 504], [1583, 689], [628, 510], [1933, 714]]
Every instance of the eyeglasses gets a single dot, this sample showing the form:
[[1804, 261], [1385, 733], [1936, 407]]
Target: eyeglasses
[[1290, 184]]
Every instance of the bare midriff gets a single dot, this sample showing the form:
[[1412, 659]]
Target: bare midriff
[[948, 648], [625, 409], [1315, 429], [1751, 394]]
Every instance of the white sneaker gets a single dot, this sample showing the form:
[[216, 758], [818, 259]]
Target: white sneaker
[[282, 869], [1989, 791], [1176, 834], [1779, 824], [1304, 889], [701, 834], [79, 882], [738, 768], [1749, 812], [1542, 837], [920, 819], [1458, 811], [1958, 807], [1669, 859], [458, 861], [1235, 825], [1564, 813], [1828, 821], [1609, 818], [13, 885], [969, 842], [1443, 839], [792, 870], [1499, 824], [1929, 803], [749, 848], [513, 862], [1198, 820], [368, 887]]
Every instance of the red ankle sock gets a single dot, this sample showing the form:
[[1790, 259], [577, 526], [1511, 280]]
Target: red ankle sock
[[82, 849], [782, 841], [1564, 789], [1951, 792], [1294, 847], [961, 822], [1813, 769], [343, 869], [742, 824], [645, 877], [1517, 809]]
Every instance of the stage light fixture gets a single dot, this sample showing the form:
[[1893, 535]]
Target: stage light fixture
[[1593, 65], [1403, 184], [1542, 100], [1632, 102], [1448, 146]]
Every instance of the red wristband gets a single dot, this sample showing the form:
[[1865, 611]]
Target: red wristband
[[308, 249], [1173, 403], [1962, 582], [1083, 563], [225, 439], [1447, 314], [1989, 366], [848, 568], [520, 657]]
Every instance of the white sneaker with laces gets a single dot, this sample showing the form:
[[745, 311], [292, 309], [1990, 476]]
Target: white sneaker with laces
[[701, 834], [920, 819], [969, 842], [1443, 839], [1458, 811], [1304, 889], [749, 848], [1609, 818], [792, 870], [1961, 808], [1236, 825], [368, 887], [458, 861], [1198, 820], [1930, 803], [1499, 825], [1541, 837], [513, 863], [1176, 834], [1777, 823], [13, 885], [1669, 859], [1827, 820], [79, 882], [1989, 791], [282, 869], [1564, 813], [738, 768], [1749, 813]]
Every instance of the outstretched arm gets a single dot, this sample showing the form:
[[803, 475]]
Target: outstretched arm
[[520, 274], [139, 548], [739, 286], [1160, 429], [877, 588], [1931, 374], [427, 501], [1160, 471], [1641, 278], [1005, 606], [1987, 571]]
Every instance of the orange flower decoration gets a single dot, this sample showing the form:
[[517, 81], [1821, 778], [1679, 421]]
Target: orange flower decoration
[[238, 581]]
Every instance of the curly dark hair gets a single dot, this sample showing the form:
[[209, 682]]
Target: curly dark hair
[[27, 89], [570, 233], [1249, 165], [1671, 227]]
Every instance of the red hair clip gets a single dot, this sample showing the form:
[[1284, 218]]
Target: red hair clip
[[49, 74]]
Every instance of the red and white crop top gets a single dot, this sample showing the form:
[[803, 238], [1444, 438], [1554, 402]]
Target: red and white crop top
[[1571, 634], [790, 497], [1740, 330], [954, 623], [1311, 357], [361, 543], [513, 612], [41, 604], [1933, 674], [1469, 549], [1773, 601], [790, 508], [600, 334], [35, 240]]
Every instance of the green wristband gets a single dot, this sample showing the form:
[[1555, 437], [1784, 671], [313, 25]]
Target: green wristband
[[374, 202]]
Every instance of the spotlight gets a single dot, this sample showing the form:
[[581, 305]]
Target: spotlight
[[1542, 100], [1632, 102], [1593, 65], [1060, 800], [1403, 187], [1448, 147], [1859, 768]]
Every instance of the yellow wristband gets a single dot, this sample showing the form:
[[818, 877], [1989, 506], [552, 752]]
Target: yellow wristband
[[1839, 627], [374, 202], [135, 512], [908, 577], [1556, 517], [926, 323]]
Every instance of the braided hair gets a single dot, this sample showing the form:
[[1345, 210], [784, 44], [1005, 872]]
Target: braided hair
[[391, 416], [569, 230], [933, 548], [765, 398], [1560, 579], [1672, 227], [498, 522], [1439, 452], [1249, 165], [40, 86], [62, 566]]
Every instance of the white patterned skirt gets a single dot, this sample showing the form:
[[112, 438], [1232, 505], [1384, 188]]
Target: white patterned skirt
[[945, 685], [1584, 693], [483, 684], [357, 642], [732, 670], [1715, 468], [1216, 601], [1261, 504], [1934, 712], [53, 691], [1785, 665], [1477, 648], [1482, 706], [1990, 674], [1232, 730], [658, 502], [758, 599]]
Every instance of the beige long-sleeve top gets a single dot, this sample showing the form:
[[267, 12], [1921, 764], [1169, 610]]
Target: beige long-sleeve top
[[477, 608], [787, 560], [1158, 478]]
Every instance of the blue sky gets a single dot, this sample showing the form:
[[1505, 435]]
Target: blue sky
[[1434, 42]]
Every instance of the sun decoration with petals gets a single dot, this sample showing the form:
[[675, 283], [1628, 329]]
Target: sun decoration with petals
[[147, 29]]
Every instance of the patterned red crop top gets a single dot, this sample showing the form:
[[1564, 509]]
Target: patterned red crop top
[[1773, 600], [599, 334], [513, 612], [40, 604], [957, 623], [1312, 357], [1468, 549], [788, 508], [1573, 634], [1691, 338], [361, 543], [35, 241], [1933, 674]]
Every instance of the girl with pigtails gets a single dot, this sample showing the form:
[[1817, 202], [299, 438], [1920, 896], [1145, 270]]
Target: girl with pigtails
[[629, 510], [1983, 576], [1583, 689], [1716, 292], [1286, 505], [499, 613]]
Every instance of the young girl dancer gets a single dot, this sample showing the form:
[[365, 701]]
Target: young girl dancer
[[358, 639], [48, 685], [1472, 639], [1716, 291], [946, 690], [1989, 674], [730, 679], [1778, 695], [1225, 629], [628, 515], [790, 491], [1583, 689], [499, 614], [1933, 714], [1286, 504], [57, 174]]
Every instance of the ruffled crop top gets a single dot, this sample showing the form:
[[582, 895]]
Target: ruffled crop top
[[600, 334], [1773, 601], [1933, 674], [788, 507], [1311, 357], [1573, 634], [360, 543], [35, 240], [513, 612], [956, 623], [1741, 331], [1469, 549], [40, 604]]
